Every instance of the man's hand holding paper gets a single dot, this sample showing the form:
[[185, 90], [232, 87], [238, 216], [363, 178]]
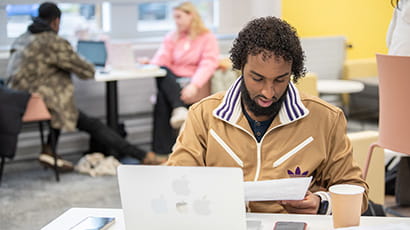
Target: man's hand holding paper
[[292, 193], [309, 205]]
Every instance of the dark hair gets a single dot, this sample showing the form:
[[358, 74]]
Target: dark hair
[[270, 36], [49, 11]]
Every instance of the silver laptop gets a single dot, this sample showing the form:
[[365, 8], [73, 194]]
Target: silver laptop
[[183, 198]]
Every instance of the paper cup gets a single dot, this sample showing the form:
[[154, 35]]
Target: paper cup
[[346, 204]]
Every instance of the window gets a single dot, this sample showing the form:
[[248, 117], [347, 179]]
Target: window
[[76, 19], [19, 17], [157, 16], [84, 20]]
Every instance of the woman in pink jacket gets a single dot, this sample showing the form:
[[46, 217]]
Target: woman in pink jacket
[[190, 56]]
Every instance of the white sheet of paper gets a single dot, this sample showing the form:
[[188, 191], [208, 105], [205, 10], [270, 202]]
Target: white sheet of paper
[[280, 189]]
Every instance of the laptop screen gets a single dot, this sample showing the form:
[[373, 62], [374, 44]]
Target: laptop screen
[[93, 51]]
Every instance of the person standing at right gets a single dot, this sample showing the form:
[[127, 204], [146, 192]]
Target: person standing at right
[[190, 56], [398, 35]]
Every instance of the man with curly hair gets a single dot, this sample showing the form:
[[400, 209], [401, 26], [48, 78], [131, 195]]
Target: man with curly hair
[[264, 125]]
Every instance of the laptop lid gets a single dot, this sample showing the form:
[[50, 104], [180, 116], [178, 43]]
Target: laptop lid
[[121, 56], [183, 198], [93, 51]]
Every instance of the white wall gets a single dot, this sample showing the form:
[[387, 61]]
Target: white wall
[[234, 14], [121, 24]]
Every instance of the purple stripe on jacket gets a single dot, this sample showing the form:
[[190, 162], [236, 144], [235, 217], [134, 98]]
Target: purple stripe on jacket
[[301, 112], [227, 103]]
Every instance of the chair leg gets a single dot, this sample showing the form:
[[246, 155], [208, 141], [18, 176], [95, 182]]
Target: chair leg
[[369, 156], [3, 159], [40, 124], [53, 149]]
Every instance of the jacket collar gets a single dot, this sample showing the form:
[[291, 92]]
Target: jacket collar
[[230, 110]]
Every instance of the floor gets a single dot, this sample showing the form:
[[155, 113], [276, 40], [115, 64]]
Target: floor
[[390, 203], [30, 197]]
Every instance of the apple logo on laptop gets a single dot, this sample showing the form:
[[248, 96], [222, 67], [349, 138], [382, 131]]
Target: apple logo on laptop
[[159, 205], [181, 186], [201, 206], [182, 207]]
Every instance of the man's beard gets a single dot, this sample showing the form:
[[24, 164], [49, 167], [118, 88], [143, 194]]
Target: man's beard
[[258, 110]]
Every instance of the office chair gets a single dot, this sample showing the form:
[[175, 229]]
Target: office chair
[[394, 122]]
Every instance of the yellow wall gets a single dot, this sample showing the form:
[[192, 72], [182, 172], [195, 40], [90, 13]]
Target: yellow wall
[[363, 22]]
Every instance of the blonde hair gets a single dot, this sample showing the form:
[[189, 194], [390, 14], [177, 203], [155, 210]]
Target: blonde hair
[[197, 25]]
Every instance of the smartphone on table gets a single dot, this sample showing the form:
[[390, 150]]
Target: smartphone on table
[[94, 223], [290, 225]]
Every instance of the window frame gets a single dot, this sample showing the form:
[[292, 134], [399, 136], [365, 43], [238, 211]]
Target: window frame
[[213, 26]]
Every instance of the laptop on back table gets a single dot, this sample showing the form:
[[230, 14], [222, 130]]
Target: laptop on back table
[[94, 52]]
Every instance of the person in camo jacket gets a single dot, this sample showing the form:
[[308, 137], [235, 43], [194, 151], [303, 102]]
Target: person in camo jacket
[[42, 62]]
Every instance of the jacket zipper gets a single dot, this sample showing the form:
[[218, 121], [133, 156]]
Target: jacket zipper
[[258, 147], [226, 147], [259, 160], [292, 152], [259, 151]]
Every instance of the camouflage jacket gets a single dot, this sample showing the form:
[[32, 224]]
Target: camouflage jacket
[[43, 63]]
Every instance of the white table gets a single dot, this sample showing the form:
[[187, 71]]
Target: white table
[[315, 222], [339, 86], [110, 78], [117, 75]]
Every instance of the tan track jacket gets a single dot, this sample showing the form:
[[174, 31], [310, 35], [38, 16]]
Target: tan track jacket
[[310, 131], [42, 63]]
